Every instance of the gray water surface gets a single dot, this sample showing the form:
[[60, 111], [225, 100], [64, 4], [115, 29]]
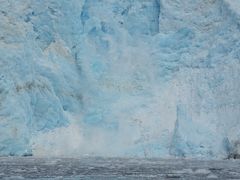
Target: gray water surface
[[116, 168]]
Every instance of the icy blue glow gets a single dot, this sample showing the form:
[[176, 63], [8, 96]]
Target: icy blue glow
[[153, 78]]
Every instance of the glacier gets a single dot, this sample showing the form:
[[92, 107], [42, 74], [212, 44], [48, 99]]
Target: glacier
[[128, 78]]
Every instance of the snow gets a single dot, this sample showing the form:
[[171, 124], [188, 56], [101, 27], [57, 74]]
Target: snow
[[119, 78]]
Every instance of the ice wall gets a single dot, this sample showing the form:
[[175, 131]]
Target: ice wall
[[152, 78]]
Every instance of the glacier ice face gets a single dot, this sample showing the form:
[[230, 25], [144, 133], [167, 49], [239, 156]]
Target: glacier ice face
[[152, 78]]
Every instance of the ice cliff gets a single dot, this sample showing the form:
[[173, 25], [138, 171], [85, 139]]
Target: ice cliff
[[148, 78]]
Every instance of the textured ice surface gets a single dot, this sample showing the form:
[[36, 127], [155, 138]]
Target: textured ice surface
[[152, 78]]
